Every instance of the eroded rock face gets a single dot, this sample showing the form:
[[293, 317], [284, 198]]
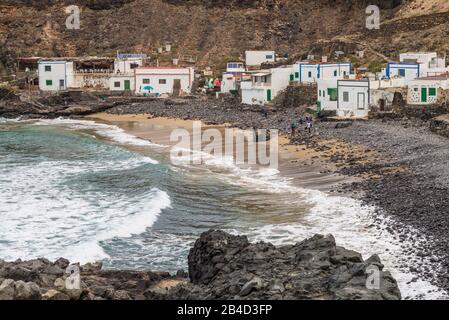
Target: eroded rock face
[[226, 267]]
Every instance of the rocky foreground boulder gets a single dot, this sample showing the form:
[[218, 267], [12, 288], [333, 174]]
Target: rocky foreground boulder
[[221, 266]]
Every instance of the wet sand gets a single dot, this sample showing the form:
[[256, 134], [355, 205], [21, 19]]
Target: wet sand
[[305, 167]]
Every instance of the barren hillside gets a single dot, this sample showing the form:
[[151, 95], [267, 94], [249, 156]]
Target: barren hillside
[[214, 31]]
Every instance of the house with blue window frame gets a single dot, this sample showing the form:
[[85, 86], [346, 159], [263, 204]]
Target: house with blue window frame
[[254, 59], [407, 70], [312, 72]]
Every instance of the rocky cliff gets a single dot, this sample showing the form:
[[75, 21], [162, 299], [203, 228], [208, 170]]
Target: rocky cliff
[[215, 31], [221, 266]]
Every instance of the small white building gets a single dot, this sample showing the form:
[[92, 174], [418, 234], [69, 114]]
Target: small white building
[[265, 85], [430, 63], [257, 58], [235, 67], [125, 63], [312, 72], [232, 82], [407, 70], [353, 98], [228, 83], [415, 65], [425, 91], [55, 75], [122, 82], [163, 80]]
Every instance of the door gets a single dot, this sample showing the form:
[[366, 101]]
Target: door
[[360, 100], [61, 84], [127, 85], [269, 95], [176, 87], [423, 94]]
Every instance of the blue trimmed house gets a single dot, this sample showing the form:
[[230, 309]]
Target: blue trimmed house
[[312, 72], [407, 70]]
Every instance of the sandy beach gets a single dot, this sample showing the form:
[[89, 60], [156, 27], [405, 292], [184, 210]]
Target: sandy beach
[[306, 166]]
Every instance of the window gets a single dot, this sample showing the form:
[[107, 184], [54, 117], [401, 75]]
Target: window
[[47, 68], [146, 81], [335, 73], [117, 84], [269, 56], [432, 92], [416, 89], [346, 96], [296, 75], [310, 74], [319, 93], [162, 81], [333, 94], [401, 72], [344, 73], [133, 65], [49, 82]]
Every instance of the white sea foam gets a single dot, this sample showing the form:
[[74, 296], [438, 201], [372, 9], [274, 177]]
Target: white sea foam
[[42, 216], [347, 219], [105, 130], [351, 223]]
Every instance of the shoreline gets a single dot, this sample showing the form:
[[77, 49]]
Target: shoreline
[[345, 158], [363, 161], [307, 167]]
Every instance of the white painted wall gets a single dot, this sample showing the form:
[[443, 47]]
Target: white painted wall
[[235, 67], [256, 58], [419, 57], [415, 88], [324, 97], [256, 92], [412, 71], [120, 79], [228, 83], [311, 73], [253, 95], [357, 92], [124, 66], [157, 74], [57, 73]]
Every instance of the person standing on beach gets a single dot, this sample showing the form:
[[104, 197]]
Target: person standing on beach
[[309, 126], [293, 127]]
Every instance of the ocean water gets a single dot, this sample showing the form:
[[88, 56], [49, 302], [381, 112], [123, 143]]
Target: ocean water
[[88, 191]]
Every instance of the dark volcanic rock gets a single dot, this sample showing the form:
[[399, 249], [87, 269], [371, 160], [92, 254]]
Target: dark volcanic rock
[[221, 266]]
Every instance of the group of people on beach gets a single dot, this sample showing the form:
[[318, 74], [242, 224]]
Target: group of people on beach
[[307, 120]]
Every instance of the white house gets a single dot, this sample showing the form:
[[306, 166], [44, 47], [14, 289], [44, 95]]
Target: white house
[[122, 82], [126, 63], [353, 98], [430, 63], [312, 72], [425, 91], [407, 70], [55, 75], [415, 65], [235, 67], [163, 80], [265, 85], [257, 58]]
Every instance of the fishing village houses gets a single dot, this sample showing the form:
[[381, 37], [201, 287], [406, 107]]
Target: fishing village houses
[[420, 78]]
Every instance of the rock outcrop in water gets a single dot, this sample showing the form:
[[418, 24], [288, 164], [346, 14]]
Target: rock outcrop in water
[[221, 266]]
